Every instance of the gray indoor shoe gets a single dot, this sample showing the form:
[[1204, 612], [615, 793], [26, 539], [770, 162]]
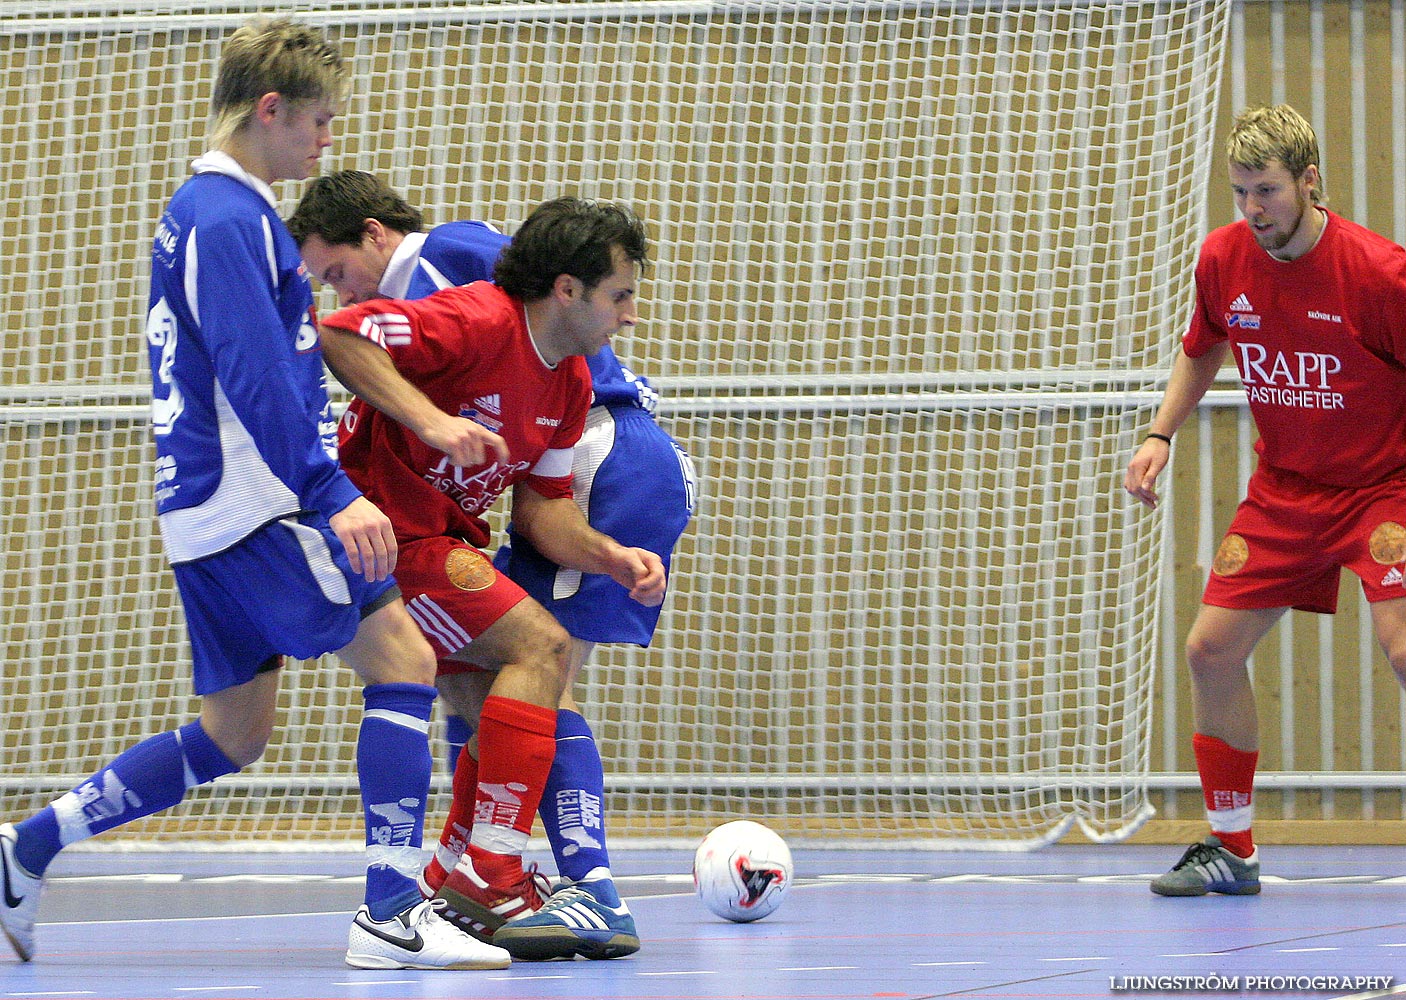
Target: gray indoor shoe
[[1209, 867]]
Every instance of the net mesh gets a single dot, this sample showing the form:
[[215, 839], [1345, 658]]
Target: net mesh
[[919, 268]]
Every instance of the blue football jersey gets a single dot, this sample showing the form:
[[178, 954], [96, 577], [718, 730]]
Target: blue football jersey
[[456, 253], [244, 430]]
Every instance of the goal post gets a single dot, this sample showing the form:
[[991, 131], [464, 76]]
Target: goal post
[[918, 271]]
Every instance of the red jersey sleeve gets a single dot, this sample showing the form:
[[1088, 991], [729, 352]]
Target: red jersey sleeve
[[423, 337]]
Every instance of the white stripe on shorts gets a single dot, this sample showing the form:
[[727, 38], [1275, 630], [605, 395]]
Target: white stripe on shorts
[[437, 623], [329, 578]]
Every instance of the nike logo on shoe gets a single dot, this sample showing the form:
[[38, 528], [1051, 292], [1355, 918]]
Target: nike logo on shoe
[[410, 941], [11, 900]]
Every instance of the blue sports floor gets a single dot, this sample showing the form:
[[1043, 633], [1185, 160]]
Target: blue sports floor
[[1069, 921]]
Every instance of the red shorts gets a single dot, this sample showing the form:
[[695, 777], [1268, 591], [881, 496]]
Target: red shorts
[[1290, 540], [454, 594]]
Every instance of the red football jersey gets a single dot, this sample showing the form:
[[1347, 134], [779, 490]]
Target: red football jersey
[[1320, 343], [469, 351]]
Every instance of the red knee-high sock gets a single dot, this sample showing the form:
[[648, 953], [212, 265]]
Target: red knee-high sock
[[1227, 781], [516, 744], [454, 838]]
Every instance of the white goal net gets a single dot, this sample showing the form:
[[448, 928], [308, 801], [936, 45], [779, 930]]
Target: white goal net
[[919, 268]]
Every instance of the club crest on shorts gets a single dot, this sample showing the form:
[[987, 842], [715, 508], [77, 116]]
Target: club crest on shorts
[[1388, 543], [468, 569], [1231, 556]]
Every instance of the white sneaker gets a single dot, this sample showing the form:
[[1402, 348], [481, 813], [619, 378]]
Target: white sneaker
[[20, 901], [418, 938]]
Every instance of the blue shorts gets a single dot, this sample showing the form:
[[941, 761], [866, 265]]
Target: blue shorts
[[635, 485], [287, 589]]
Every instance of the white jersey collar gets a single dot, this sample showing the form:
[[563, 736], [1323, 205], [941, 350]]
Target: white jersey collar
[[395, 282], [217, 162]]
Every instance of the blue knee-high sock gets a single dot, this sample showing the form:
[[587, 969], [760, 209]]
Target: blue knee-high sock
[[573, 800], [394, 764], [456, 733], [142, 780]]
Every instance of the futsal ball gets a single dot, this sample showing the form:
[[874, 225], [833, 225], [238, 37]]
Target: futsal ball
[[742, 870]]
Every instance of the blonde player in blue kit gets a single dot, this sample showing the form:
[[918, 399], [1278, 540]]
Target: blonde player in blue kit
[[274, 550], [632, 482]]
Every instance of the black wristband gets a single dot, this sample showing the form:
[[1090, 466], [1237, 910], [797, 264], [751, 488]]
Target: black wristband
[[1160, 437]]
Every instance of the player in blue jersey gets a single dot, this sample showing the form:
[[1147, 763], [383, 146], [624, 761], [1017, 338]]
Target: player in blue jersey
[[366, 242], [630, 478], [274, 551]]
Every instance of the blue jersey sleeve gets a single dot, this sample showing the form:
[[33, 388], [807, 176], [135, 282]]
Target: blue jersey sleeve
[[616, 385], [458, 253], [257, 322]]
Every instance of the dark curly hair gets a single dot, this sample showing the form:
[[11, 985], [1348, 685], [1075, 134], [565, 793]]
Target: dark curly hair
[[569, 236]]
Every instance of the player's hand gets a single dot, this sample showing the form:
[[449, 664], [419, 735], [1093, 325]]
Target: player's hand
[[367, 536], [466, 442], [1147, 463], [641, 572]]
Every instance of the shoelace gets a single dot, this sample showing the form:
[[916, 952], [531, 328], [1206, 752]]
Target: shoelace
[[1197, 854], [424, 909], [540, 882], [565, 897], [533, 881]]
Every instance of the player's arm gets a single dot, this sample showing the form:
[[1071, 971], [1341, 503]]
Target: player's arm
[[558, 530], [1190, 379], [366, 368]]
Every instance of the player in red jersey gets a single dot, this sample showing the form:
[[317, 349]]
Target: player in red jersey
[[462, 396], [1313, 310]]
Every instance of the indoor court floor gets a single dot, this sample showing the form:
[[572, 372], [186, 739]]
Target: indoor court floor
[[1067, 921]]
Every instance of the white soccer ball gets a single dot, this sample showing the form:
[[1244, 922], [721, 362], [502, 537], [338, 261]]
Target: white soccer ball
[[742, 870]]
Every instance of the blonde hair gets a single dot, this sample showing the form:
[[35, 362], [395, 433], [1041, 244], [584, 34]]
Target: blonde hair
[[1262, 135], [273, 55]]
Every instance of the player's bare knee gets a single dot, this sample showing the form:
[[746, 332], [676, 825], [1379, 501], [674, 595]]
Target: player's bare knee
[[243, 747], [1207, 657], [414, 664], [248, 754], [559, 649], [1397, 659], [541, 638], [1203, 665], [550, 653], [389, 648]]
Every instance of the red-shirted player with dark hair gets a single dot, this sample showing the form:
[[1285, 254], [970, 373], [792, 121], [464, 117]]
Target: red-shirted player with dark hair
[[1313, 310], [460, 396]]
